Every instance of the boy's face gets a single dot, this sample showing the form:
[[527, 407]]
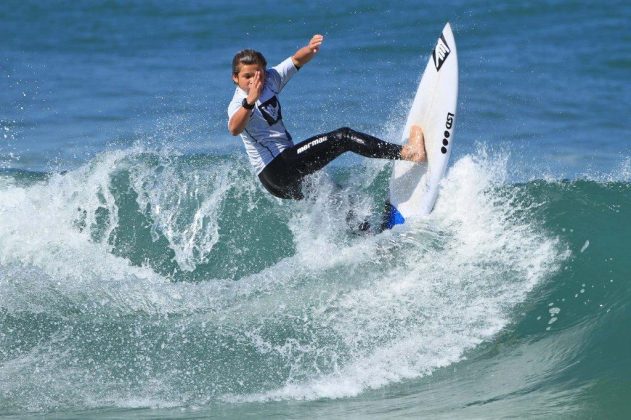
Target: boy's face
[[246, 75]]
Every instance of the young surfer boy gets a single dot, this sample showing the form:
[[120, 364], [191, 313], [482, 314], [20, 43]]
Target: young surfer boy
[[255, 114]]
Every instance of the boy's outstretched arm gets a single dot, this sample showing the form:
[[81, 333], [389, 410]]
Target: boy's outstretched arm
[[306, 53]]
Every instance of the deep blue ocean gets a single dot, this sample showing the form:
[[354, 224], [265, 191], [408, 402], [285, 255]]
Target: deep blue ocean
[[144, 271]]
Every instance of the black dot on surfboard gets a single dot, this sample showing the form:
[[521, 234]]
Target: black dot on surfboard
[[445, 142], [443, 149], [446, 134]]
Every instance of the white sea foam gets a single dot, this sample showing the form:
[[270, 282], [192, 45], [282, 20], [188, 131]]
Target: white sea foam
[[342, 315], [181, 207], [451, 284], [51, 257]]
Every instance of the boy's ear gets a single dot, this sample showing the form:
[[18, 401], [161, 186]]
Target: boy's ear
[[235, 79]]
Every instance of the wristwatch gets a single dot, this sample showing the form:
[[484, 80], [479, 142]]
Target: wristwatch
[[246, 105]]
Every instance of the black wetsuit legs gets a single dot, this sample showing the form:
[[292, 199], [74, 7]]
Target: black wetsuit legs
[[282, 176]]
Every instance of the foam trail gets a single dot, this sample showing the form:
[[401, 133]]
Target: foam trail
[[444, 287]]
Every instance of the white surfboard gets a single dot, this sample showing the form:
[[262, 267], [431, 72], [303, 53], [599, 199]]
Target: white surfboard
[[414, 187]]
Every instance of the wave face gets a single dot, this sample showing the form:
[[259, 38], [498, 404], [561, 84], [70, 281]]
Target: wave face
[[153, 279]]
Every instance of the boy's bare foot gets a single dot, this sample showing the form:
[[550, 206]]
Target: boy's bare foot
[[414, 149]]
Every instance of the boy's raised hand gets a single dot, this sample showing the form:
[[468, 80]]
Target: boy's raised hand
[[306, 53], [315, 42]]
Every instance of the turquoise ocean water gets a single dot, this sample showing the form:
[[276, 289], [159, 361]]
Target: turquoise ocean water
[[145, 273]]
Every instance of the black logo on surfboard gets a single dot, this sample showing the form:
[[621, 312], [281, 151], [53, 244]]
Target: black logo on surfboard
[[441, 52], [448, 125]]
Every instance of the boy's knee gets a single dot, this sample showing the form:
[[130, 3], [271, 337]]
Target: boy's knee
[[347, 130], [343, 132]]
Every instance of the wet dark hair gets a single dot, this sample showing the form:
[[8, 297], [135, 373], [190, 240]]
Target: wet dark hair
[[247, 57]]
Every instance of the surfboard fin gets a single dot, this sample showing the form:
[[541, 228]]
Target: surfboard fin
[[391, 217]]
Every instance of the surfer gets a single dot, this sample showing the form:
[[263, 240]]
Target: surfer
[[255, 114]]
